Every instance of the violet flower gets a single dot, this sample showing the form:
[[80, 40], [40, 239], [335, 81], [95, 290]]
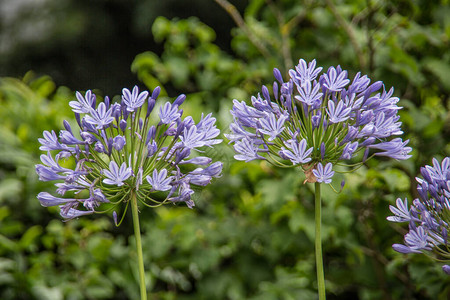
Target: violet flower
[[117, 151], [318, 118], [428, 216]]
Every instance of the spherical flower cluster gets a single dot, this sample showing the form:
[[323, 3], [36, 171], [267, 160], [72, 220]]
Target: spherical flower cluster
[[429, 215], [122, 148], [316, 120]]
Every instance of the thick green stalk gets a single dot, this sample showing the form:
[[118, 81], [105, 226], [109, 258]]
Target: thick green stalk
[[137, 234], [318, 243]]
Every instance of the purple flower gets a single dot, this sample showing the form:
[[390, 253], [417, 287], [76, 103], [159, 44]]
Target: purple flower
[[159, 180], [299, 154], [334, 81], [50, 142], [168, 113], [401, 212], [416, 240], [247, 150], [428, 214], [133, 100], [271, 126], [49, 161], [141, 148], [214, 170], [395, 148], [116, 176], [72, 213], [349, 149], [306, 73], [334, 119], [308, 94], [100, 117], [338, 113], [191, 138], [200, 160], [83, 105], [67, 138], [324, 174], [48, 174], [47, 200], [207, 127]]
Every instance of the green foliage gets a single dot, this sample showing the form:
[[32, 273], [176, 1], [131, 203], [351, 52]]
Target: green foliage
[[251, 234]]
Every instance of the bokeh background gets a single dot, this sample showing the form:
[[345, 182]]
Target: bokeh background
[[251, 233]]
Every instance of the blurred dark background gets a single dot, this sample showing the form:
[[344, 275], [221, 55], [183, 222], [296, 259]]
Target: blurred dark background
[[90, 44]]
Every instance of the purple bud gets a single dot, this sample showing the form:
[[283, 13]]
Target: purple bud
[[152, 148], [180, 128], [315, 120], [99, 147], [115, 218], [322, 150], [182, 155], [119, 142], [275, 90], [180, 99], [403, 249], [282, 155], [94, 101], [151, 105], [444, 234], [446, 269], [77, 117], [123, 125], [151, 134], [67, 126], [116, 111], [201, 180], [107, 102], [433, 191], [367, 142], [426, 174], [156, 92], [366, 154], [342, 184], [48, 200], [110, 145], [88, 137], [171, 131], [265, 93], [214, 169], [373, 88], [199, 160], [423, 191], [277, 75]]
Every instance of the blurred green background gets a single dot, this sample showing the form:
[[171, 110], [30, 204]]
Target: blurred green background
[[251, 233]]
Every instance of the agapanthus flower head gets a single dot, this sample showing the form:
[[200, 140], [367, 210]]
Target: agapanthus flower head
[[317, 119], [429, 215], [119, 149]]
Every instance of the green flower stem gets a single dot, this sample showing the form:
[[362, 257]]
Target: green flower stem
[[318, 243], [137, 234]]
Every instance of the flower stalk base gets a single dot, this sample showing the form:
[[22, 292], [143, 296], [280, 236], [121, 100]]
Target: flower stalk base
[[137, 234], [318, 243]]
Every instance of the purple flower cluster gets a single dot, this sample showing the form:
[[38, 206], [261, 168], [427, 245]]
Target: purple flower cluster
[[316, 120], [429, 215], [118, 150]]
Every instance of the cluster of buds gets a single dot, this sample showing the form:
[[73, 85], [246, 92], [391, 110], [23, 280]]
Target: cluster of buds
[[122, 148], [316, 120]]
